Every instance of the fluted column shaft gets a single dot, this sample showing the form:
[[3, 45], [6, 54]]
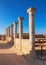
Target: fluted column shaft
[[8, 31], [11, 31], [32, 28], [20, 27], [20, 31], [15, 30]]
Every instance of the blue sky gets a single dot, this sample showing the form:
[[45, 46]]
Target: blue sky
[[10, 10]]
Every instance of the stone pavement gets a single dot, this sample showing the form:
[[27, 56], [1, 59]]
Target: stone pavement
[[12, 59], [12, 56]]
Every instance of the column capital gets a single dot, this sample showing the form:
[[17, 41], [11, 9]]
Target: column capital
[[31, 10], [11, 25], [15, 22], [20, 18]]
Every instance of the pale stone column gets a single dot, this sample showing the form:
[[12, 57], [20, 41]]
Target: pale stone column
[[6, 32], [20, 31], [32, 29], [15, 29], [11, 31], [20, 27]]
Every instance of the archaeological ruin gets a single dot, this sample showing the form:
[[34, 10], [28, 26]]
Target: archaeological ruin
[[25, 43]]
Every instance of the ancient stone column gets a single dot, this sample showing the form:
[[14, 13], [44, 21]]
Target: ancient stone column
[[6, 32], [11, 31], [32, 29], [20, 31], [15, 29], [20, 27]]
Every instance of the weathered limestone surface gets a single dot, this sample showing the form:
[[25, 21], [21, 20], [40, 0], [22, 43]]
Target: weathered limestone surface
[[32, 29], [15, 29], [11, 31], [17, 43], [20, 27], [25, 45], [6, 32], [20, 31]]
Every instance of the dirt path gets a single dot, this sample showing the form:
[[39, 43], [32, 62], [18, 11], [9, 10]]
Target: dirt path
[[12, 59]]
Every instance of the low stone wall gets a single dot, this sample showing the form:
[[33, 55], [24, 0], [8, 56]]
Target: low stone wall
[[8, 39], [24, 46], [17, 44]]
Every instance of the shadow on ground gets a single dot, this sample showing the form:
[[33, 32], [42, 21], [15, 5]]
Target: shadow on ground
[[6, 45], [12, 59], [38, 60]]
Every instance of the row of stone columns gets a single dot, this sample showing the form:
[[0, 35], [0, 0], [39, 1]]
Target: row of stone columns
[[9, 31], [31, 28]]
